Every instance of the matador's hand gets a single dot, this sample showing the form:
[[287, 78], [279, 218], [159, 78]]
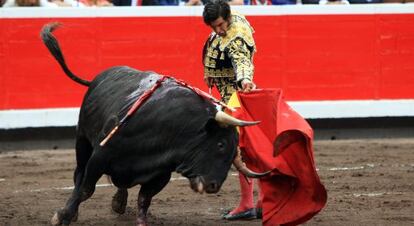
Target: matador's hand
[[247, 86]]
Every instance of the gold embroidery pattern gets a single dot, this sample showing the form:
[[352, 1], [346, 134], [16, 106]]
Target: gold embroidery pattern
[[213, 53], [214, 43], [226, 87], [241, 59], [214, 73], [209, 63]]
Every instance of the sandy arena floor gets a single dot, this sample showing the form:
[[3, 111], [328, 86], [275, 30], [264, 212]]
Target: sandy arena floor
[[369, 182]]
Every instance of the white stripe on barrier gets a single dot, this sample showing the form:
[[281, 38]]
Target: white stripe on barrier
[[354, 108], [170, 11], [60, 117]]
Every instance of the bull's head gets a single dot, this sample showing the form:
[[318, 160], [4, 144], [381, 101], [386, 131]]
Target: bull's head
[[219, 149]]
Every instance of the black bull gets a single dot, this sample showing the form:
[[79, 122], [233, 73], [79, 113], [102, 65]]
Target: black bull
[[174, 130]]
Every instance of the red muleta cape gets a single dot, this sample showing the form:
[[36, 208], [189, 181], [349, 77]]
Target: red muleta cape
[[282, 143]]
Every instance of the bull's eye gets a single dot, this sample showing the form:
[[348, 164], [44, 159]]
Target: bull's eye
[[220, 146]]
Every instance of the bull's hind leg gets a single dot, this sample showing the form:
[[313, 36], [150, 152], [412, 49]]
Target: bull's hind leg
[[146, 193], [86, 176], [119, 201]]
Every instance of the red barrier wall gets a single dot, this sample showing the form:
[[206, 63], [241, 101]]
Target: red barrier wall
[[312, 57]]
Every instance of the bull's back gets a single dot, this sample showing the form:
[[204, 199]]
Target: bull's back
[[109, 95]]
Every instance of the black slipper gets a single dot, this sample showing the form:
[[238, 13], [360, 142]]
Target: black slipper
[[245, 215]]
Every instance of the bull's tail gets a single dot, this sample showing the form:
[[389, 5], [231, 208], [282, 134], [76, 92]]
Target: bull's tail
[[53, 46]]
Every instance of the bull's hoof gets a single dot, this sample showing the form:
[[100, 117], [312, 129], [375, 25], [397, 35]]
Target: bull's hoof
[[119, 201], [56, 220], [141, 222]]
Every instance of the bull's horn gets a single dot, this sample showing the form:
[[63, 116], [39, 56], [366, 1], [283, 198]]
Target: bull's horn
[[226, 119], [241, 166]]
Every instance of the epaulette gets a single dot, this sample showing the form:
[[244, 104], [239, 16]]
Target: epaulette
[[239, 28]]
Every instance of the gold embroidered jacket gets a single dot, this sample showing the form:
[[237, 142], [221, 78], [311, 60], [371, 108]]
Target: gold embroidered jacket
[[231, 55]]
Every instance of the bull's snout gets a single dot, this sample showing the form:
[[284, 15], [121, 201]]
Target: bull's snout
[[212, 187], [200, 185]]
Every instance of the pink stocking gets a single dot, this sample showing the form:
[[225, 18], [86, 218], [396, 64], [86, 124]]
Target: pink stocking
[[246, 198]]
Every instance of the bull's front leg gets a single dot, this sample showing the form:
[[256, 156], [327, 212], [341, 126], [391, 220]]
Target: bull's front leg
[[147, 191], [119, 200]]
